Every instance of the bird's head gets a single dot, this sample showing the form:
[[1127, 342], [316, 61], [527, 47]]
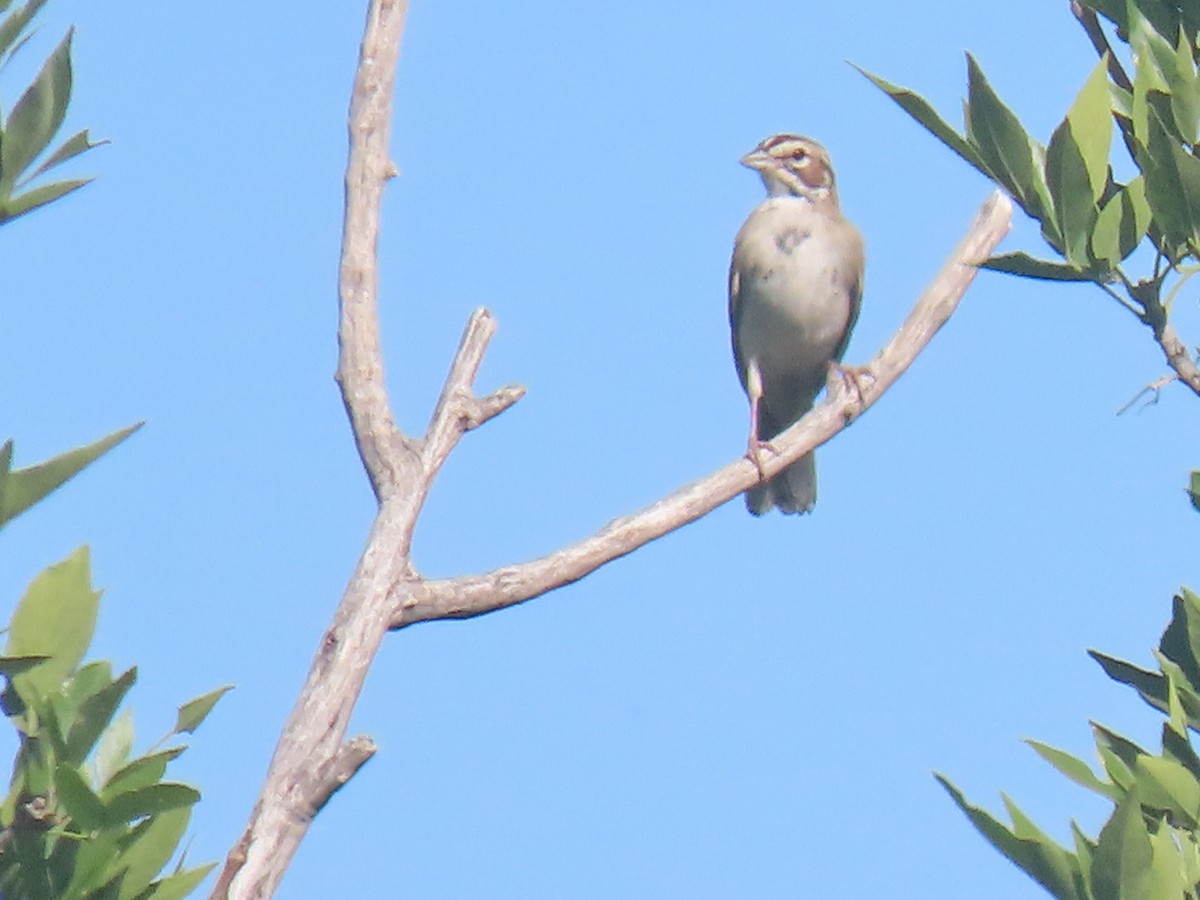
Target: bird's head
[[793, 165]]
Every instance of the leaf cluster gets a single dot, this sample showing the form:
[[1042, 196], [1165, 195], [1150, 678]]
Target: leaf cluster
[[31, 126], [1095, 223], [1092, 220], [1150, 846], [83, 817]]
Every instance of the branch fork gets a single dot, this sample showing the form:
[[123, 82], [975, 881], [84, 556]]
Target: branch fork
[[313, 760]]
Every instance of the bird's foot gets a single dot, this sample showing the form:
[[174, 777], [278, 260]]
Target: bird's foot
[[754, 452], [853, 380]]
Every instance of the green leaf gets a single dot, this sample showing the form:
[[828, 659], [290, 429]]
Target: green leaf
[[1043, 860], [38, 115], [1075, 209], [1114, 11], [149, 850], [149, 801], [1021, 263], [1168, 870], [1165, 64], [1177, 747], [180, 884], [141, 772], [28, 201], [6, 452], [1194, 490], [56, 617], [1122, 223], [1177, 694], [192, 713], [1186, 606], [88, 680], [69, 149], [1185, 92], [91, 865], [68, 701], [94, 716], [1149, 684], [14, 665], [1089, 122], [1147, 82], [1106, 235], [1165, 784], [1005, 149], [112, 753], [1162, 14], [1084, 848], [1119, 771], [1172, 181], [1077, 170], [1075, 769], [1123, 854], [83, 806], [1123, 748], [27, 486], [1023, 827], [918, 107], [1178, 647], [14, 25]]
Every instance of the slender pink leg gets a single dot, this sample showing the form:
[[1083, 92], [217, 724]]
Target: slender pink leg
[[754, 445]]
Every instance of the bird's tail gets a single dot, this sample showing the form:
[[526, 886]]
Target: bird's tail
[[794, 490]]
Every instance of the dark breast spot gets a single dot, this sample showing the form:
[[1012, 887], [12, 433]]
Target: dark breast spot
[[789, 240]]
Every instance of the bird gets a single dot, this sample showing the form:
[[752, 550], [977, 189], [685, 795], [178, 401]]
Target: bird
[[795, 289]]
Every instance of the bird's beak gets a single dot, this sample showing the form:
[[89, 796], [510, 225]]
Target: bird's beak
[[756, 159]]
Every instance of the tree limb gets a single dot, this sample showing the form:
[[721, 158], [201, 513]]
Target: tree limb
[[465, 597], [1178, 356], [1156, 317], [385, 452], [312, 759], [311, 749]]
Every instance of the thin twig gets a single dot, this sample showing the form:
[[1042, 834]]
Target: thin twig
[[1124, 302], [1154, 389], [458, 409]]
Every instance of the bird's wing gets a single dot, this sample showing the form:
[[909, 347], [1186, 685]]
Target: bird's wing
[[855, 291]]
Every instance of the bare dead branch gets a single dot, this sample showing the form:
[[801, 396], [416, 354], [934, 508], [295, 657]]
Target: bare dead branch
[[483, 408], [344, 765], [382, 447], [465, 597], [1154, 389], [458, 409], [311, 762], [310, 750]]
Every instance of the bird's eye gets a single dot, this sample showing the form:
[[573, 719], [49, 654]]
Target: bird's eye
[[799, 153]]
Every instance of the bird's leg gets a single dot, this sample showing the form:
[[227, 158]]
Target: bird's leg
[[755, 445]]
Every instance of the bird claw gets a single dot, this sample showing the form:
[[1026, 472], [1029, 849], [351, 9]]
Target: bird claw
[[754, 454], [851, 379]]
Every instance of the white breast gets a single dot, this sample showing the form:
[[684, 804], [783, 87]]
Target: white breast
[[794, 274]]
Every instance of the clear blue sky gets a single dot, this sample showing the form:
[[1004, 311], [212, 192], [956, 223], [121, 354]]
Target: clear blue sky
[[748, 708]]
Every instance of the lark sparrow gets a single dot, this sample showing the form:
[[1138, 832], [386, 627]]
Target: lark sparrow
[[795, 283]]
